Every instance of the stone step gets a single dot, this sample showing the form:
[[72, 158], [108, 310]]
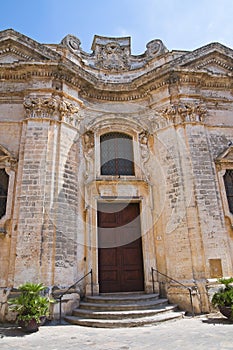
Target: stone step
[[123, 310], [129, 322], [123, 298], [136, 305], [115, 315]]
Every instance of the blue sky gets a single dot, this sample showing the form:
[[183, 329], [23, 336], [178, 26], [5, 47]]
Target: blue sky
[[180, 24]]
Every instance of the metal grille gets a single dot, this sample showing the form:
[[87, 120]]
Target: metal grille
[[228, 181], [116, 154], [4, 180]]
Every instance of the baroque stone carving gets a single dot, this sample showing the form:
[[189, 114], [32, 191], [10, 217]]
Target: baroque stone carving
[[7, 161], [155, 48], [184, 113], [88, 149], [72, 42], [40, 107], [145, 152], [52, 108], [112, 57]]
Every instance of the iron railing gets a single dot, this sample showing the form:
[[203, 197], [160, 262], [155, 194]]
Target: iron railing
[[190, 289], [60, 296]]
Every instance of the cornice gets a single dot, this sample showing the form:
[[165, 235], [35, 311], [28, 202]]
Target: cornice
[[92, 88]]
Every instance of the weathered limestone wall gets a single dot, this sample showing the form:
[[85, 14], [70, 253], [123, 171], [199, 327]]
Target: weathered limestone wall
[[66, 205], [190, 228], [29, 217]]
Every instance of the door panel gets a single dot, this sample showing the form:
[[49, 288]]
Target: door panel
[[120, 248]]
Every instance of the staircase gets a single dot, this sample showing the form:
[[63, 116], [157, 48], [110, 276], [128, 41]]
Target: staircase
[[123, 310]]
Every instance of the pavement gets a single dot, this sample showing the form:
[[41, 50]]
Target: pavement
[[203, 332]]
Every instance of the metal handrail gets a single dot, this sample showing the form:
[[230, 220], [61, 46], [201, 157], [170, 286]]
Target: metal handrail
[[172, 279], [60, 296]]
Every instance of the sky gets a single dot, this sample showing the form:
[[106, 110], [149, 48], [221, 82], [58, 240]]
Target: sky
[[180, 24]]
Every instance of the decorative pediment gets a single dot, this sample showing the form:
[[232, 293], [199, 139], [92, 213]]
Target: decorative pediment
[[213, 58], [213, 64], [16, 47], [10, 54], [114, 53]]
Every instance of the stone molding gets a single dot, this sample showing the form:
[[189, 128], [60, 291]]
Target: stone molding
[[124, 77], [53, 108]]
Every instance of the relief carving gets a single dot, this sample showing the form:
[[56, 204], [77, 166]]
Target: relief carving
[[184, 113], [155, 48], [52, 108], [7, 160], [145, 152], [69, 113], [112, 56], [72, 42], [40, 107], [88, 149]]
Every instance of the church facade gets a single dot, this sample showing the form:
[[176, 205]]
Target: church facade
[[116, 164]]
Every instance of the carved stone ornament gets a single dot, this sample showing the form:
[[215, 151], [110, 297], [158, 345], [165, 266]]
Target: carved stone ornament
[[184, 113], [40, 107], [52, 108], [145, 152], [112, 55], [155, 48], [7, 160], [88, 150], [72, 42]]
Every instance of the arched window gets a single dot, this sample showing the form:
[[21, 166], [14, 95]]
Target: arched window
[[116, 151], [4, 180], [228, 182]]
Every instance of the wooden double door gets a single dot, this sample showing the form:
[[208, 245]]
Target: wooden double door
[[120, 258]]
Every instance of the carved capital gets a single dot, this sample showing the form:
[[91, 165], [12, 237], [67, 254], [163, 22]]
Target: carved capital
[[185, 113], [40, 107], [69, 113], [53, 108]]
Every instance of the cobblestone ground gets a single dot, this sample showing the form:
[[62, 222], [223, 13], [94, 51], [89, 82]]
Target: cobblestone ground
[[202, 333]]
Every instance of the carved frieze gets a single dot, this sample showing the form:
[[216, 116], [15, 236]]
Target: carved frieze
[[53, 108]]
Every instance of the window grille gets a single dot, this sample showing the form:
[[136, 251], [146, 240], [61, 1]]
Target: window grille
[[4, 180], [116, 151]]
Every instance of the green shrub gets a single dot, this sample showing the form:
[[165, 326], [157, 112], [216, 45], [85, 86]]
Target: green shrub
[[224, 297], [30, 304]]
